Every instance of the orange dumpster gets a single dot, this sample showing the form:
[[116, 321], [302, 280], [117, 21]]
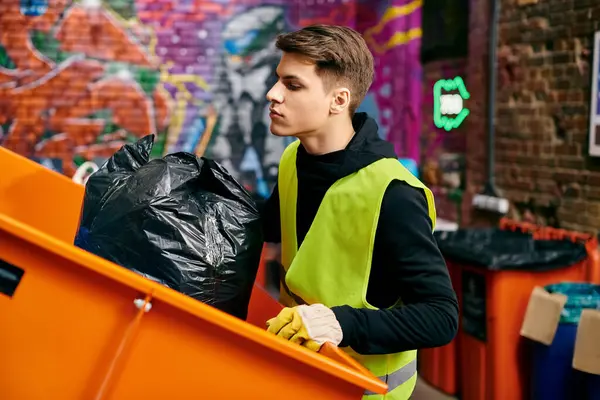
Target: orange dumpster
[[80, 327], [497, 367]]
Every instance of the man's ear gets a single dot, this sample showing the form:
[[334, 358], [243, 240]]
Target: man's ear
[[340, 100]]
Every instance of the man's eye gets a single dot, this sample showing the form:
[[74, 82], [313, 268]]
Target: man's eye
[[293, 87]]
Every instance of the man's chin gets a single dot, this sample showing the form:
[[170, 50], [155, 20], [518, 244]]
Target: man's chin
[[278, 131]]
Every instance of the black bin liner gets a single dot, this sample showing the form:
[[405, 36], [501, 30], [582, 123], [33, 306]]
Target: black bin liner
[[182, 221], [497, 249]]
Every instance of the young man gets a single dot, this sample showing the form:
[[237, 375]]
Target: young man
[[361, 267]]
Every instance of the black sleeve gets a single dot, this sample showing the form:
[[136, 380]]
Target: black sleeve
[[271, 219], [407, 265]]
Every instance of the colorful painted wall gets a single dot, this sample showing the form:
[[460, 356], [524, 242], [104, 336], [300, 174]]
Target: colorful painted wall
[[393, 31], [78, 79]]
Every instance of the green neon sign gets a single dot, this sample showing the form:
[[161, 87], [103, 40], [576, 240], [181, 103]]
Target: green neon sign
[[445, 104]]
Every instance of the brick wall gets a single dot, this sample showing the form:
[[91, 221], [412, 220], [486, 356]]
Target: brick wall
[[541, 111]]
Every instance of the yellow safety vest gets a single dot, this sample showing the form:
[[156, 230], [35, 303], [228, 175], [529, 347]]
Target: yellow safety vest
[[333, 264]]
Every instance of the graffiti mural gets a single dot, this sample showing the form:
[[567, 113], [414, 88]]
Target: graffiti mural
[[76, 82], [246, 71], [392, 29], [79, 78]]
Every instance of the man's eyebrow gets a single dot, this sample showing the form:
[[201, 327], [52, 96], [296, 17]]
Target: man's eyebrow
[[288, 76]]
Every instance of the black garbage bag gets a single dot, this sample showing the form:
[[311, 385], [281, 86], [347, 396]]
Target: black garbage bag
[[182, 221], [498, 249]]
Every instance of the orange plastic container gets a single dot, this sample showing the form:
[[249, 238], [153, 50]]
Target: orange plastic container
[[440, 366], [494, 361], [76, 326], [39, 197]]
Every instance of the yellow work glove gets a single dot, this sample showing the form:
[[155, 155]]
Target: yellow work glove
[[310, 326]]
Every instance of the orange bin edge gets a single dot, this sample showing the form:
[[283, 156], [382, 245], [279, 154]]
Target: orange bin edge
[[549, 233], [76, 332]]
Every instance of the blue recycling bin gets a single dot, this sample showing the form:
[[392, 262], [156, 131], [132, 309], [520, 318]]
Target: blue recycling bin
[[593, 387], [553, 377]]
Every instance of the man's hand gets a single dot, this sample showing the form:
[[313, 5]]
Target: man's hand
[[310, 326]]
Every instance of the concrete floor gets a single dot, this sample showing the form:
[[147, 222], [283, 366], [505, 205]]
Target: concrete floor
[[425, 392]]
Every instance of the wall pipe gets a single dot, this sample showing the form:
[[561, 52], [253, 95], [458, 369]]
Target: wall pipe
[[490, 188]]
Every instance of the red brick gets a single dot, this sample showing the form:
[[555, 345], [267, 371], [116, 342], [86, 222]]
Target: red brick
[[545, 185], [566, 176], [593, 179], [565, 149], [592, 193], [577, 163]]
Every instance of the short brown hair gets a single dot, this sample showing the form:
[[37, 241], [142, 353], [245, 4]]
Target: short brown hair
[[341, 55]]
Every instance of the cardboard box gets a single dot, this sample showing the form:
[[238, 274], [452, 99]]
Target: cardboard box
[[542, 317], [587, 344]]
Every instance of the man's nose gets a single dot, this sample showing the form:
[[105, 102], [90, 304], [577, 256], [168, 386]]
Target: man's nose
[[275, 95]]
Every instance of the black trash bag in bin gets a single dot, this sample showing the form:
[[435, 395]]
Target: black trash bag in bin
[[182, 221], [498, 249]]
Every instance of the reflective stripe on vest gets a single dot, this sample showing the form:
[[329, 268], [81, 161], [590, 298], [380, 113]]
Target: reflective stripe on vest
[[333, 264], [397, 378]]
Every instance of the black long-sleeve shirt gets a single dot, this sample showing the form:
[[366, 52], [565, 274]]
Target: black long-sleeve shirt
[[406, 265]]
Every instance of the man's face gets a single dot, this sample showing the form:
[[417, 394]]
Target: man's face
[[300, 104]]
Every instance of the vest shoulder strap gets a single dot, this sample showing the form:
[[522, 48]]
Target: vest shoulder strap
[[392, 169], [289, 155]]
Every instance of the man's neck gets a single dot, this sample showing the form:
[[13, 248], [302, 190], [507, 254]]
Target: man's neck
[[328, 140]]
